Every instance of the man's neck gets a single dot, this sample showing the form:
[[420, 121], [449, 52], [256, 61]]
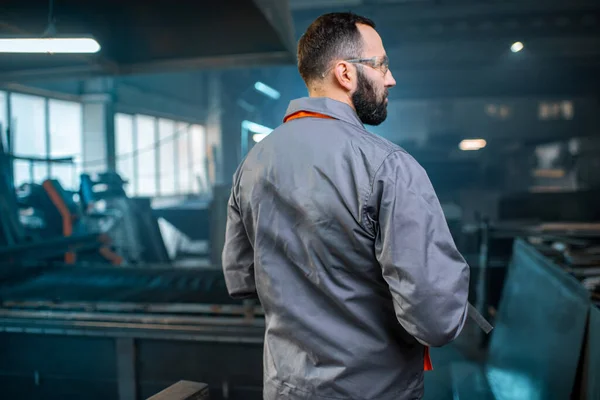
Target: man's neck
[[342, 97]]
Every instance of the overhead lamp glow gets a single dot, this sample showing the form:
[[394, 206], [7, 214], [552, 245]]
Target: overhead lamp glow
[[257, 137], [51, 45], [259, 133], [267, 90], [516, 47], [472, 144], [256, 128]]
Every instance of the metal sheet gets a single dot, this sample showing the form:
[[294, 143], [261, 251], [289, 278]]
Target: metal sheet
[[593, 355], [183, 390], [193, 220], [538, 335]]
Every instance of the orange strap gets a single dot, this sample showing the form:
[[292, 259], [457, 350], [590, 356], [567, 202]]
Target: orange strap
[[111, 256], [67, 217], [427, 360], [427, 365]]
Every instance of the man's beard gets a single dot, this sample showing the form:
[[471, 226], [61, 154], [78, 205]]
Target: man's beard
[[370, 109]]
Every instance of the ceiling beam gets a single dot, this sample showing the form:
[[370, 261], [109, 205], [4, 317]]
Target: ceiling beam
[[513, 26], [402, 11], [277, 12], [89, 71], [48, 74], [402, 23], [217, 62]]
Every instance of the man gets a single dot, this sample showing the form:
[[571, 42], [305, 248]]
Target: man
[[341, 236]]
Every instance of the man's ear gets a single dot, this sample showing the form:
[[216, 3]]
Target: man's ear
[[345, 75]]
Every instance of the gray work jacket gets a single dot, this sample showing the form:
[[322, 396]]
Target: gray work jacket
[[341, 235]]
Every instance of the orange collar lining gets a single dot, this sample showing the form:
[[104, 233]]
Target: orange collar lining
[[305, 114]]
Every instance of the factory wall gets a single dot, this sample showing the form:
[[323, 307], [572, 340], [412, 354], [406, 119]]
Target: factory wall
[[150, 93], [532, 142]]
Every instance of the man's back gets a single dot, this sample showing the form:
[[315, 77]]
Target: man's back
[[338, 231]]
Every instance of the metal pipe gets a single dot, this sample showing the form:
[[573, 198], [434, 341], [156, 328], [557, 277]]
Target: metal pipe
[[218, 309], [132, 318]]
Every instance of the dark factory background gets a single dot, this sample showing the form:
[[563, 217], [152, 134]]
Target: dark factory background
[[116, 167]]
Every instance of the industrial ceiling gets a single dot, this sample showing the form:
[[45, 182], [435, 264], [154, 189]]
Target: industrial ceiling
[[462, 47], [437, 48], [140, 36]]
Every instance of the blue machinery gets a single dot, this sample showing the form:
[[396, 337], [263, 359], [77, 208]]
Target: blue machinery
[[97, 331], [76, 322]]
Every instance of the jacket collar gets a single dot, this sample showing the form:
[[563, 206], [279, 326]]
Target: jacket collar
[[327, 106]]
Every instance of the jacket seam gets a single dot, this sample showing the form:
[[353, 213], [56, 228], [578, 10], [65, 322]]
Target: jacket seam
[[370, 191]]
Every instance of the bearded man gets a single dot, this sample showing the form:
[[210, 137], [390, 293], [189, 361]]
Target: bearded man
[[340, 235]]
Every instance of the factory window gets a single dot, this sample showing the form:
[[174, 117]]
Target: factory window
[[556, 110], [160, 156], [146, 155], [65, 141], [198, 161], [184, 166], [124, 146], [3, 120], [28, 116], [42, 128], [167, 168]]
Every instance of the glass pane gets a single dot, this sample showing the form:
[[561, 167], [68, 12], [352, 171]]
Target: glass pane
[[146, 155], [67, 175], [166, 129], [183, 158], [28, 115], [21, 172], [124, 142], [65, 140], [198, 154], [29, 125], [3, 120], [40, 172]]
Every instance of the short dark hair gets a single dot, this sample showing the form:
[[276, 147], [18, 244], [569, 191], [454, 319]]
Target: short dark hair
[[331, 36]]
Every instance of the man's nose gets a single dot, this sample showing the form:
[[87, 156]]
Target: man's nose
[[389, 79]]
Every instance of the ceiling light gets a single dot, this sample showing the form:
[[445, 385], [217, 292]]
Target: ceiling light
[[472, 144], [48, 45], [259, 133], [516, 47], [49, 42], [256, 128], [267, 90], [257, 137]]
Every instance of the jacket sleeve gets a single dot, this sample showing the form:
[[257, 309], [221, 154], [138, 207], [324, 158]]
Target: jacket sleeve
[[238, 254], [427, 276]]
